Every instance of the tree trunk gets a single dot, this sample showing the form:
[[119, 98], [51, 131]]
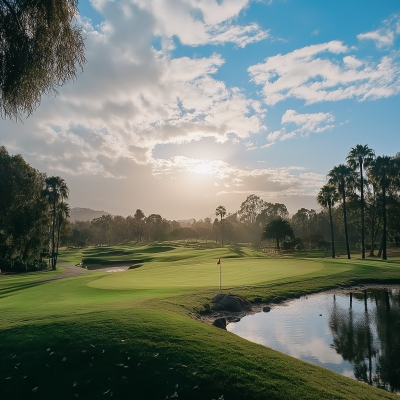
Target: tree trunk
[[333, 240], [384, 256], [222, 234], [380, 248], [362, 212], [26, 250], [53, 266], [58, 242], [345, 224], [277, 244], [372, 251]]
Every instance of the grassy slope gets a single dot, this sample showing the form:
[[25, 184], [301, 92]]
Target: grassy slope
[[145, 314]]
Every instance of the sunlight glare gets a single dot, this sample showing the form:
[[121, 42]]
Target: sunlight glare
[[203, 169]]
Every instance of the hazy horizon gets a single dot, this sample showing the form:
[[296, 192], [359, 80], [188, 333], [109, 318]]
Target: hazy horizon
[[185, 106]]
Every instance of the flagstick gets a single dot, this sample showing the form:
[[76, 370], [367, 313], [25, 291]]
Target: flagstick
[[220, 275]]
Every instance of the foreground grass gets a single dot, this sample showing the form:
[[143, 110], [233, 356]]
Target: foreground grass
[[134, 335]]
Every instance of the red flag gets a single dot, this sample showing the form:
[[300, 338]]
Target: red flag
[[219, 261]]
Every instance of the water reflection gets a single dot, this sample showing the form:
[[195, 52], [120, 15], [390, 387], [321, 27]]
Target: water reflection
[[357, 335]]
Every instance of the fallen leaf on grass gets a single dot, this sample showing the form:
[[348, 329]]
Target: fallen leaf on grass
[[34, 389], [93, 346], [64, 358], [119, 365], [107, 391]]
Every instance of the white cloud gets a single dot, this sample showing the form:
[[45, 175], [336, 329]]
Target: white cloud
[[240, 35], [316, 73], [383, 37], [305, 124], [273, 136], [132, 97], [195, 22]]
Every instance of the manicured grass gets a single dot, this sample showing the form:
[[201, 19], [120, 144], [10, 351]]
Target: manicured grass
[[97, 320], [13, 280]]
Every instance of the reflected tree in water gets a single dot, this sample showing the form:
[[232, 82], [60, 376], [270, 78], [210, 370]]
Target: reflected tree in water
[[370, 340], [387, 320]]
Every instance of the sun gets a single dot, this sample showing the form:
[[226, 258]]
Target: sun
[[203, 169]]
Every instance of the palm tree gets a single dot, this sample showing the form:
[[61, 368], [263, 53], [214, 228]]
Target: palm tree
[[340, 177], [383, 170], [63, 213], [359, 157], [56, 191], [327, 197], [277, 229], [221, 211]]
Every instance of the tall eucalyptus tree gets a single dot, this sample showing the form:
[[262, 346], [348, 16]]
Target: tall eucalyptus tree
[[341, 177], [327, 197], [358, 158]]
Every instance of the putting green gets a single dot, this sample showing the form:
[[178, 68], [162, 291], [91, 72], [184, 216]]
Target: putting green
[[235, 272]]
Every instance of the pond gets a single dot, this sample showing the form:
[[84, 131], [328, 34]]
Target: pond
[[355, 333]]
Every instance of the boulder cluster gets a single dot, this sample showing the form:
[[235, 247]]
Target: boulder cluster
[[230, 302]]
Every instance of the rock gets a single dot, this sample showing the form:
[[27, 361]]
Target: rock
[[206, 306], [231, 303], [218, 307], [233, 319], [257, 299], [266, 309], [218, 298], [220, 323], [278, 299], [296, 296], [243, 302]]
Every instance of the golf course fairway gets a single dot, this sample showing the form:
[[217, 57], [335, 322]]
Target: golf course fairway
[[136, 334]]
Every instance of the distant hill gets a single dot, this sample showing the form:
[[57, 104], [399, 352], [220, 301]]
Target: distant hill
[[85, 214]]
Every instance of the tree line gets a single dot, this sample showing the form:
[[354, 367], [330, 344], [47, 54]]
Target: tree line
[[366, 189], [360, 211]]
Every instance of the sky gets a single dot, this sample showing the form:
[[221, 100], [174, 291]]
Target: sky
[[185, 105]]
